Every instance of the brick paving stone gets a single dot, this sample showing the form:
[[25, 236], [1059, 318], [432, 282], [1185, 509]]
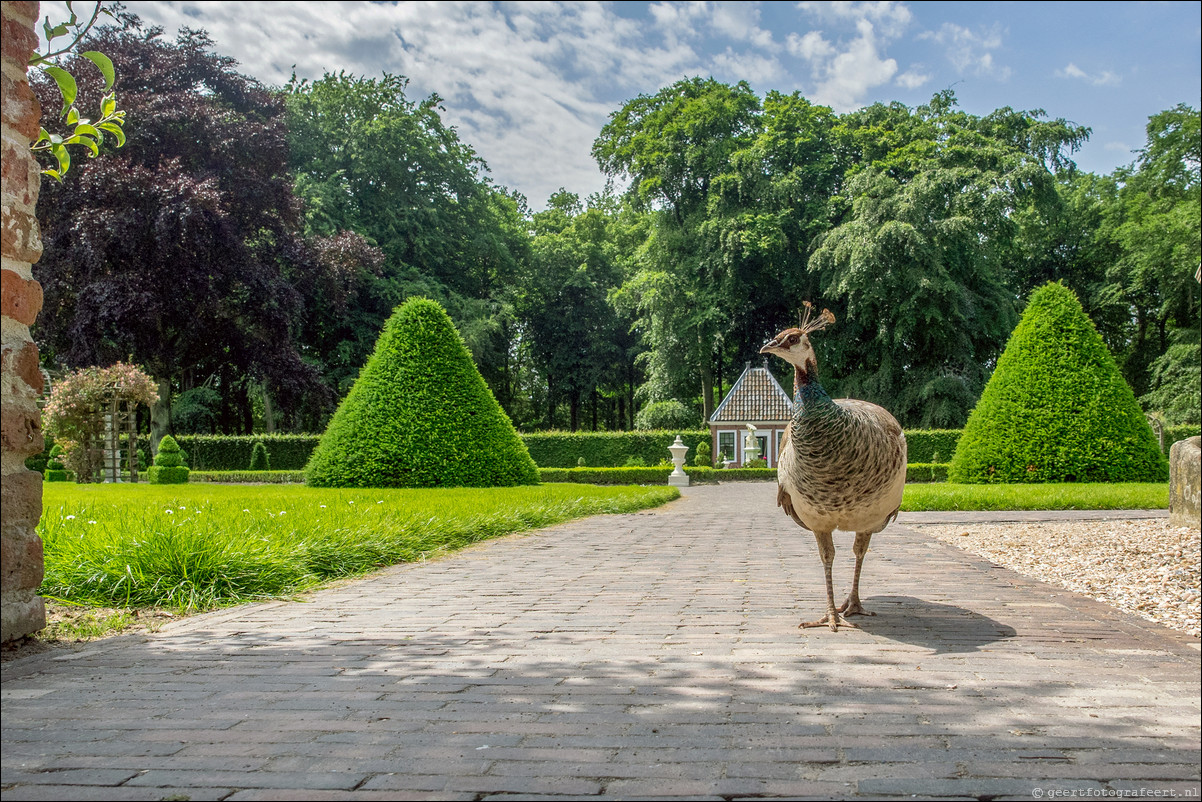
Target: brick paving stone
[[642, 656]]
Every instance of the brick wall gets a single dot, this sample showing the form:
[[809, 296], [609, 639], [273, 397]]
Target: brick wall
[[21, 610]]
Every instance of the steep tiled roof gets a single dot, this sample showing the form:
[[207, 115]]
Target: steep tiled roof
[[756, 396]]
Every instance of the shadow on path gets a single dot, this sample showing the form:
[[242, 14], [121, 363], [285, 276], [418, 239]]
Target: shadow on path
[[943, 628]]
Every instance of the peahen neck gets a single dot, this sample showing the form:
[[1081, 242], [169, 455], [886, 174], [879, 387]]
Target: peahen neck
[[808, 393]]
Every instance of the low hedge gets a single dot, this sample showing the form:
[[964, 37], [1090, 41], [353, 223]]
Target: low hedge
[[219, 452], [607, 449], [249, 477], [926, 472], [290, 452]]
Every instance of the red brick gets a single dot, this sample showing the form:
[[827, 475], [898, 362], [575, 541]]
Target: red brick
[[21, 432], [20, 503], [20, 298], [20, 175], [23, 361], [21, 108], [21, 561], [19, 38]]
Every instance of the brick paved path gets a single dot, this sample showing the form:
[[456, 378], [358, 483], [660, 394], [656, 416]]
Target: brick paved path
[[632, 656]]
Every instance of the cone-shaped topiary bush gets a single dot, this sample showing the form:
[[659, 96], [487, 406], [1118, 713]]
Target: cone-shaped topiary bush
[[168, 468], [1057, 409], [420, 415], [258, 457]]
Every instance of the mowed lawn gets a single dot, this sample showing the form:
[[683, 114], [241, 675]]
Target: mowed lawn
[[1052, 496], [195, 547]]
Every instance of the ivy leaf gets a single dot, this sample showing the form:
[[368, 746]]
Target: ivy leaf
[[66, 86], [104, 64]]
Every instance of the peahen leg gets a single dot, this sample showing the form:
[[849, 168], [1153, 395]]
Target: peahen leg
[[826, 550], [852, 605]]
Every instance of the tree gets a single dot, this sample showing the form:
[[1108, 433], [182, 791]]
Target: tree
[[174, 251], [1156, 224], [1057, 409], [917, 269], [673, 146], [369, 160], [420, 415]]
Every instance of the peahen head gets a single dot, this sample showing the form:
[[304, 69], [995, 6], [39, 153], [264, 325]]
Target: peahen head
[[793, 344]]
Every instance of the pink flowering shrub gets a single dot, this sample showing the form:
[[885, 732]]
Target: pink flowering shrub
[[74, 416]]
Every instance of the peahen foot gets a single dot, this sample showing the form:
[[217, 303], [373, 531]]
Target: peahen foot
[[852, 607], [831, 619]]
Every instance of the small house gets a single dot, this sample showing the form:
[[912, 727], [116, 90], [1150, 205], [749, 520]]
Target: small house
[[757, 400]]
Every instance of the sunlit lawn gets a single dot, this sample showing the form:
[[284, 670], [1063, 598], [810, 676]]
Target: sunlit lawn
[[194, 547], [1067, 496]]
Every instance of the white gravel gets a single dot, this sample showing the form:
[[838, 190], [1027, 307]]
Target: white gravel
[[1144, 567]]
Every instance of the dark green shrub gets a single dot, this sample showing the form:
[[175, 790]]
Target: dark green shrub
[[758, 462], [704, 457], [55, 470], [926, 472], [666, 415], [1057, 409], [248, 477], [258, 458], [931, 445], [420, 415], [580, 463], [168, 468], [605, 449]]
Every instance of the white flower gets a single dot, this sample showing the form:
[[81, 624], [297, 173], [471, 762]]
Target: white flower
[[91, 522], [169, 512], [282, 512], [323, 506], [379, 502], [70, 517], [246, 510]]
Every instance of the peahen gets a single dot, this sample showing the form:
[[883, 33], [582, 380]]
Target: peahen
[[842, 465]]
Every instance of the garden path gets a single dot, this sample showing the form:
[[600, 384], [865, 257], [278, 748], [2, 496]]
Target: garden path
[[647, 655]]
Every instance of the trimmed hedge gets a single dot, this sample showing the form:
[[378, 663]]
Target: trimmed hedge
[[607, 449], [249, 477], [168, 468], [926, 472], [420, 415], [291, 452], [259, 461], [220, 452], [1057, 409]]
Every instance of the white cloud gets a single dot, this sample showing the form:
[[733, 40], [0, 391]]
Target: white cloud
[[740, 21], [845, 70], [912, 78], [1103, 78], [750, 67], [528, 86], [889, 19], [970, 52]]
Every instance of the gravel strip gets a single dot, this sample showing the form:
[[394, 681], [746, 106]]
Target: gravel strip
[[1144, 567]]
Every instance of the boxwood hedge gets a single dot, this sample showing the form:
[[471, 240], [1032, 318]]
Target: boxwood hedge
[[420, 415], [1057, 409]]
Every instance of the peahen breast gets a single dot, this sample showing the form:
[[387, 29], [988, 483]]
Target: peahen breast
[[844, 465]]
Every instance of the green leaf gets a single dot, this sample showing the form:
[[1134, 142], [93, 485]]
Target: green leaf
[[105, 65], [66, 85], [108, 105], [115, 130], [86, 141], [63, 157], [73, 116]]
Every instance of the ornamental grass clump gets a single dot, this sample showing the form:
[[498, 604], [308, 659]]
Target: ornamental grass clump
[[1057, 409], [168, 468], [420, 415]]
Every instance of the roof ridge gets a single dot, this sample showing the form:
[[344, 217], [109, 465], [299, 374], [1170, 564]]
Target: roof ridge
[[755, 396]]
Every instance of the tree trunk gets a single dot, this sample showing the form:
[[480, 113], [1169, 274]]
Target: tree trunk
[[160, 416], [707, 388], [574, 407], [594, 400], [248, 411], [268, 412]]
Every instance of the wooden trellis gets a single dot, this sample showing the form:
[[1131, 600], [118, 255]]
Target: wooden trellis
[[119, 443]]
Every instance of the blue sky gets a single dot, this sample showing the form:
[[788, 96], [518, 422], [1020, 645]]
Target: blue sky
[[529, 84]]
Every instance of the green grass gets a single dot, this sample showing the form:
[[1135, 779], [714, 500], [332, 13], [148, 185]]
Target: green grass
[[1071, 496], [196, 547]]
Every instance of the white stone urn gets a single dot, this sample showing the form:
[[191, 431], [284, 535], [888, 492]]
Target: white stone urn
[[678, 477]]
